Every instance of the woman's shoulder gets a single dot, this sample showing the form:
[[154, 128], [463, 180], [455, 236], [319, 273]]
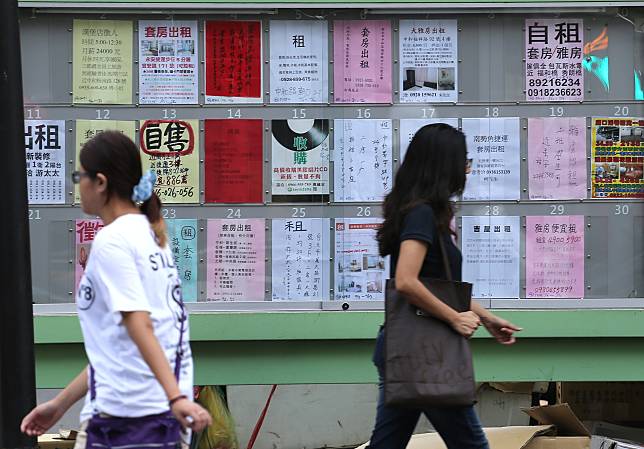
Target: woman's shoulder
[[421, 211], [126, 231]]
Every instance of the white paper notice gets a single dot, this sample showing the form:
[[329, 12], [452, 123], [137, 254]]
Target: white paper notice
[[300, 256], [491, 255], [409, 127], [494, 145], [428, 61], [45, 161], [300, 150], [168, 62], [360, 272], [362, 159], [299, 61]]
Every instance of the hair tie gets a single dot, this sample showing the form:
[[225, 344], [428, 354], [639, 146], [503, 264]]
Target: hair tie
[[143, 190]]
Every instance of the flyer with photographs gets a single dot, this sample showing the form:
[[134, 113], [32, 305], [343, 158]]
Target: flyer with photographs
[[618, 158], [360, 271], [428, 61], [168, 62]]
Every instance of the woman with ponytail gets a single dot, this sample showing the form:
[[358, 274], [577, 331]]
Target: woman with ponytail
[[138, 384]]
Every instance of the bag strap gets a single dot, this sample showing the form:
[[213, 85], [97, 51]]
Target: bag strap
[[177, 361], [448, 270]]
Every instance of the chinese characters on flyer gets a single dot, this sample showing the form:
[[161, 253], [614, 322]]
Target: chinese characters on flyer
[[299, 61], [553, 54], [233, 161], [86, 129], [493, 146], [362, 159], [362, 61], [85, 233], [557, 158], [236, 267], [618, 158], [45, 161], [428, 61], [360, 272], [555, 257], [171, 149], [182, 239], [300, 150], [102, 62], [491, 256], [233, 62], [300, 259], [168, 62]]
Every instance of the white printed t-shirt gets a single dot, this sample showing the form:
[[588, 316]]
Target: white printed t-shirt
[[127, 271]]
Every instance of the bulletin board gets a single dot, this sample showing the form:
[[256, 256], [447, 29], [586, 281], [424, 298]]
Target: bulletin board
[[276, 135]]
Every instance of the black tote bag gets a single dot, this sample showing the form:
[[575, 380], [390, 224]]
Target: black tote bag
[[427, 363]]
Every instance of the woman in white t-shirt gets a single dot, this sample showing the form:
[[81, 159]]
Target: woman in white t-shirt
[[135, 328]]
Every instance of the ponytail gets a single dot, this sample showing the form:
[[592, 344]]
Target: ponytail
[[152, 210]]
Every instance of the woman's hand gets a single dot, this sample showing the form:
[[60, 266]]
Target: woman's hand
[[465, 323], [501, 329], [191, 415], [42, 418]]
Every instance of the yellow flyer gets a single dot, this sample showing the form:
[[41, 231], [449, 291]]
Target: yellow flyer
[[171, 149], [86, 129], [102, 62]]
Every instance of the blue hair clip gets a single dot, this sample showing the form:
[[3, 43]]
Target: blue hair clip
[[143, 190]]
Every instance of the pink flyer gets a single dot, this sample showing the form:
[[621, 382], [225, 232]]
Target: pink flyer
[[362, 61], [85, 232], [555, 256], [557, 158], [236, 266]]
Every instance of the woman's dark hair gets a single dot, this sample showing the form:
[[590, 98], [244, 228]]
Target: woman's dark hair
[[432, 173], [115, 156]]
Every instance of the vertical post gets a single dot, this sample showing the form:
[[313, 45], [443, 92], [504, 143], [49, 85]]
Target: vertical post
[[17, 373]]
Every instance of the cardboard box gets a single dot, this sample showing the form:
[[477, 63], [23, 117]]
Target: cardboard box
[[560, 429], [603, 401], [54, 441]]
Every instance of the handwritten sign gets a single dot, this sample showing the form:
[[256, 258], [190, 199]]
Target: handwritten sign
[[182, 239], [171, 149], [234, 161], [300, 256], [557, 158], [362, 159], [233, 61], [555, 257]]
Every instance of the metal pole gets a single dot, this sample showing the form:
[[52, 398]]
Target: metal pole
[[17, 373]]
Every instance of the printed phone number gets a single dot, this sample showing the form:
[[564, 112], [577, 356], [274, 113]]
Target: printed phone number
[[554, 92], [296, 79], [556, 82]]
